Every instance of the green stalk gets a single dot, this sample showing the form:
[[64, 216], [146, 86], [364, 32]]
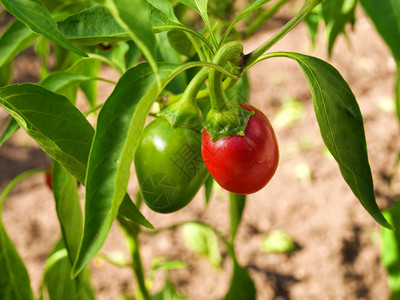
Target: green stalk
[[225, 118], [228, 52], [132, 230], [254, 55], [263, 17]]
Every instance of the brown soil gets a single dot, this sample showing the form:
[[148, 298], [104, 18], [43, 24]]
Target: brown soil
[[338, 254]]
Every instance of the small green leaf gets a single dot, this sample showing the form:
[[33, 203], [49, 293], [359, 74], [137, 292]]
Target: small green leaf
[[134, 18], [11, 128], [385, 16], [241, 286], [6, 71], [248, 10], [93, 26], [390, 249], [341, 125], [16, 38], [14, 278], [236, 208], [278, 242], [68, 208], [57, 283], [201, 7], [180, 42], [168, 292], [312, 21], [203, 241], [36, 16], [337, 14], [208, 188]]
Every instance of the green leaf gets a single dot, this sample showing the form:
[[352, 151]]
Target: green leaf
[[201, 7], [208, 187], [341, 125], [11, 128], [203, 241], [57, 82], [180, 42], [162, 13], [236, 208], [198, 5], [397, 91], [337, 14], [386, 17], [65, 190], [36, 16], [16, 38], [53, 122], [6, 71], [312, 20], [278, 242], [239, 93], [248, 10], [14, 278], [57, 283], [166, 53], [134, 17], [241, 286], [390, 249], [93, 26], [120, 125], [58, 127], [168, 292]]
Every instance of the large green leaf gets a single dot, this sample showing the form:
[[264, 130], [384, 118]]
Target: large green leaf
[[68, 208], [385, 15], [92, 26], [16, 38], [59, 128], [390, 250], [36, 16], [57, 283], [119, 127], [53, 122], [241, 286], [341, 125]]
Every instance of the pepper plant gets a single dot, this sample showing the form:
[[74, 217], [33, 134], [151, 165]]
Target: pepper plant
[[181, 63]]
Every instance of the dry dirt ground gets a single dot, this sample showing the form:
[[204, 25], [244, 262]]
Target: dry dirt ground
[[338, 254]]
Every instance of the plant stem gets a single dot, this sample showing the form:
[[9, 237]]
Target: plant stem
[[254, 55], [132, 230], [262, 18], [229, 51]]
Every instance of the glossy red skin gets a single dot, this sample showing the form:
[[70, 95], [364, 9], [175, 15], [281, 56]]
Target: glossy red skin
[[243, 164]]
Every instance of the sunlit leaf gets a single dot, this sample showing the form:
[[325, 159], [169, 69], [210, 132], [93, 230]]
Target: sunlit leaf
[[342, 127], [119, 127], [15, 38], [35, 15]]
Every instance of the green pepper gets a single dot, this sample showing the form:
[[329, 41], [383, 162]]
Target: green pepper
[[169, 166]]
